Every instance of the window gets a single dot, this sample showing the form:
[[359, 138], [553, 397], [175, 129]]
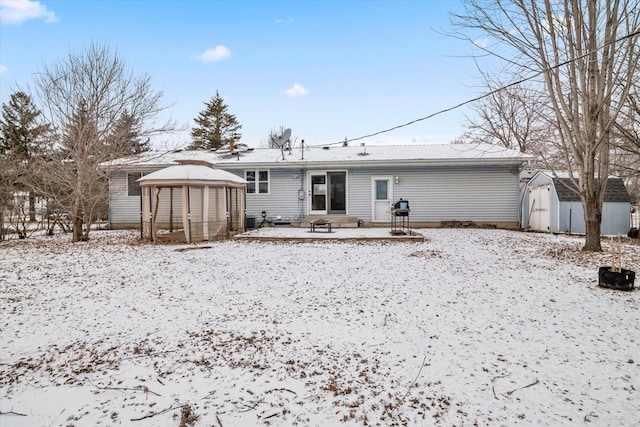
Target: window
[[257, 181], [133, 188], [382, 189]]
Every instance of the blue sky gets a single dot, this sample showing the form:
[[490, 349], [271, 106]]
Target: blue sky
[[326, 69]]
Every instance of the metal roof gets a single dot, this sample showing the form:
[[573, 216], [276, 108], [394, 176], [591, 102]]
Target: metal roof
[[434, 154]]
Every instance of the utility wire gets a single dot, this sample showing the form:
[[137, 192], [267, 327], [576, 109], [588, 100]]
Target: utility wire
[[469, 101]]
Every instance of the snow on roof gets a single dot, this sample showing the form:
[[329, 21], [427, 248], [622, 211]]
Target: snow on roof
[[362, 155], [190, 174]]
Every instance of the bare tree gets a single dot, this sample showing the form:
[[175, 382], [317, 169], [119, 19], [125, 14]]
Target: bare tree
[[85, 98], [514, 117], [586, 50], [626, 154], [7, 180]]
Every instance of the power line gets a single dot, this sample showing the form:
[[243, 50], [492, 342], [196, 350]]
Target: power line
[[469, 101]]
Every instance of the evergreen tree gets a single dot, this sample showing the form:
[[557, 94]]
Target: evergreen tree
[[216, 127], [22, 128], [22, 136], [126, 136]]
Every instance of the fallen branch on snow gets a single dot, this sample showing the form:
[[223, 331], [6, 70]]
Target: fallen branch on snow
[[12, 412], [493, 386], [142, 388], [509, 393], [413, 383], [193, 248], [153, 414]]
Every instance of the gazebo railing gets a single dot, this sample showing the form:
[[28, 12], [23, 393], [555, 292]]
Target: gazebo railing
[[199, 231]]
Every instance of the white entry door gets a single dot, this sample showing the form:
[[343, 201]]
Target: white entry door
[[382, 196]]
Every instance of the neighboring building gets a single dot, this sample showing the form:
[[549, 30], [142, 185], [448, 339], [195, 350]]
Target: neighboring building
[[478, 183], [550, 204]]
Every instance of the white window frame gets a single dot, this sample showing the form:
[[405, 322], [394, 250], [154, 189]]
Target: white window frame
[[257, 181]]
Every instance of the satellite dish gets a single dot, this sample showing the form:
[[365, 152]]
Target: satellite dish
[[280, 141]]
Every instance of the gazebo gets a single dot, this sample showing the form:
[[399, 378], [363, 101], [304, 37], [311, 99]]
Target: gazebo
[[191, 202]]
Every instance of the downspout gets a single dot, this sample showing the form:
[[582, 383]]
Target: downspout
[[302, 194], [521, 193]]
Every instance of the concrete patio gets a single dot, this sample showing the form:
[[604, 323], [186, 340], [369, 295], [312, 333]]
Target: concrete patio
[[336, 234]]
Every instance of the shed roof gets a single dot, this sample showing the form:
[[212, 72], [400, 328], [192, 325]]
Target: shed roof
[[616, 192], [190, 174]]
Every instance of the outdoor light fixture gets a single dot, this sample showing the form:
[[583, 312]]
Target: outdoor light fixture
[[264, 214], [396, 179]]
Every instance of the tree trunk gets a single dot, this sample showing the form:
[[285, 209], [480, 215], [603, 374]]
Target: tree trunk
[[32, 207], [593, 221], [88, 220], [76, 219]]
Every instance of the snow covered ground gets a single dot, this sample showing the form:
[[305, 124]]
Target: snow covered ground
[[467, 327]]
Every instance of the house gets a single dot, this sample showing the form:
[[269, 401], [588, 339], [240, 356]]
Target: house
[[551, 204], [357, 184]]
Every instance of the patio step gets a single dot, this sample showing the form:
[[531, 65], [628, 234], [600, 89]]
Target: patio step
[[336, 221]]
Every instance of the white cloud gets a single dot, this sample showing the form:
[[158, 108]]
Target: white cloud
[[482, 43], [421, 139], [284, 21], [295, 90], [18, 11], [3, 69], [215, 54]]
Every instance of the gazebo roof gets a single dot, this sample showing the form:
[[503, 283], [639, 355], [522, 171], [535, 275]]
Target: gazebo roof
[[191, 174]]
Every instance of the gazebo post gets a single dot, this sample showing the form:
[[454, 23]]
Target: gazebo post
[[171, 209], [205, 212], [227, 203], [151, 224], [188, 214], [155, 212]]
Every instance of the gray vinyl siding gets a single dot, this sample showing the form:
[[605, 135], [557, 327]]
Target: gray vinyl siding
[[123, 209], [282, 199], [487, 194], [482, 194]]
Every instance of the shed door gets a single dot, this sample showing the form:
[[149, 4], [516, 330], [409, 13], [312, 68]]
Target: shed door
[[540, 208]]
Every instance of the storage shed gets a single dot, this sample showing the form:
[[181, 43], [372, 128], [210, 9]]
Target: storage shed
[[191, 202], [551, 204]]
